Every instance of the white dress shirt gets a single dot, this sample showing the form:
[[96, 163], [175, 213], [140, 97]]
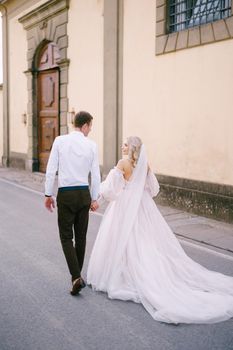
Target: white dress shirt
[[74, 156]]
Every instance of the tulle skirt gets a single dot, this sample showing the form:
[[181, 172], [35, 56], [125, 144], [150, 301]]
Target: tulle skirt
[[152, 268]]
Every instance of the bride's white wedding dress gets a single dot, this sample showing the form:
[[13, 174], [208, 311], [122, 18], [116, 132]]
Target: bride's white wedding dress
[[137, 257]]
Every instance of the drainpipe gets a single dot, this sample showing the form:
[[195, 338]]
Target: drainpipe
[[6, 129]]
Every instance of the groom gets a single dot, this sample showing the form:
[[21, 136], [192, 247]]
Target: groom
[[74, 156]]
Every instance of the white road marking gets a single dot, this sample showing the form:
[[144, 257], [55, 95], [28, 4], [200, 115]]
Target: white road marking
[[193, 245], [197, 246], [22, 187]]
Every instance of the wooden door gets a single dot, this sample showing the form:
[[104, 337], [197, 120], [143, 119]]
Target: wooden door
[[48, 114]]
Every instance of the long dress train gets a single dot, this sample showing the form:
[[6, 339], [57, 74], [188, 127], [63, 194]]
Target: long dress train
[[137, 257]]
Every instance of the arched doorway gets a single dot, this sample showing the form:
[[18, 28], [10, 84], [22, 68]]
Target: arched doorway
[[47, 102]]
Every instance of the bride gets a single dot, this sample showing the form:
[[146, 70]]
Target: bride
[[137, 257]]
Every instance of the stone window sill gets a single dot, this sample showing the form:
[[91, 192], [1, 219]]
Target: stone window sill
[[188, 38]]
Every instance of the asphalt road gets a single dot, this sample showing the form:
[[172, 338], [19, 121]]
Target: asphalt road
[[37, 311]]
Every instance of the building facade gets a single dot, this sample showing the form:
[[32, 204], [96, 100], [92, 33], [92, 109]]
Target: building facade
[[159, 69]]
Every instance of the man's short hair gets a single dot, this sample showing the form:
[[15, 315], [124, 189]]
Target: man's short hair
[[82, 118]]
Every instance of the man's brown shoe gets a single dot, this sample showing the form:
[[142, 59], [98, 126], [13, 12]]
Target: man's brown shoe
[[77, 286]]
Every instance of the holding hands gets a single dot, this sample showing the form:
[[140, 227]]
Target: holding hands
[[94, 205]]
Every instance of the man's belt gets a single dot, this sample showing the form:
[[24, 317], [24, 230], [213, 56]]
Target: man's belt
[[73, 188]]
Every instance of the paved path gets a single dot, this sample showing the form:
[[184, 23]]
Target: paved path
[[37, 312]]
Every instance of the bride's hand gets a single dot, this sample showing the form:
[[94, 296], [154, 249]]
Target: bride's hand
[[94, 205]]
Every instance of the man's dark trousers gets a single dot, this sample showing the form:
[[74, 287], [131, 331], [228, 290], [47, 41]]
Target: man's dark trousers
[[73, 215]]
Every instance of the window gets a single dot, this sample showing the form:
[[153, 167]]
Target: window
[[183, 24], [184, 14]]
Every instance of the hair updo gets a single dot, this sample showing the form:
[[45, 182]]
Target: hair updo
[[134, 144]]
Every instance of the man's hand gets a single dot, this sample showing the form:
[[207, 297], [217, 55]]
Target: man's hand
[[94, 205], [49, 203]]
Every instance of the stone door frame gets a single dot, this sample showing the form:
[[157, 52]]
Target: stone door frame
[[46, 23]]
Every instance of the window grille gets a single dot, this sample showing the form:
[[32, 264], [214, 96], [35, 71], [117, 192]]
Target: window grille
[[183, 14]]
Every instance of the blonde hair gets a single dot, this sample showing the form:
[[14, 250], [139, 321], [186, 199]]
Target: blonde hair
[[134, 144]]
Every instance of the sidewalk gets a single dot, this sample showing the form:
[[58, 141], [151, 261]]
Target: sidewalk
[[197, 229]]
